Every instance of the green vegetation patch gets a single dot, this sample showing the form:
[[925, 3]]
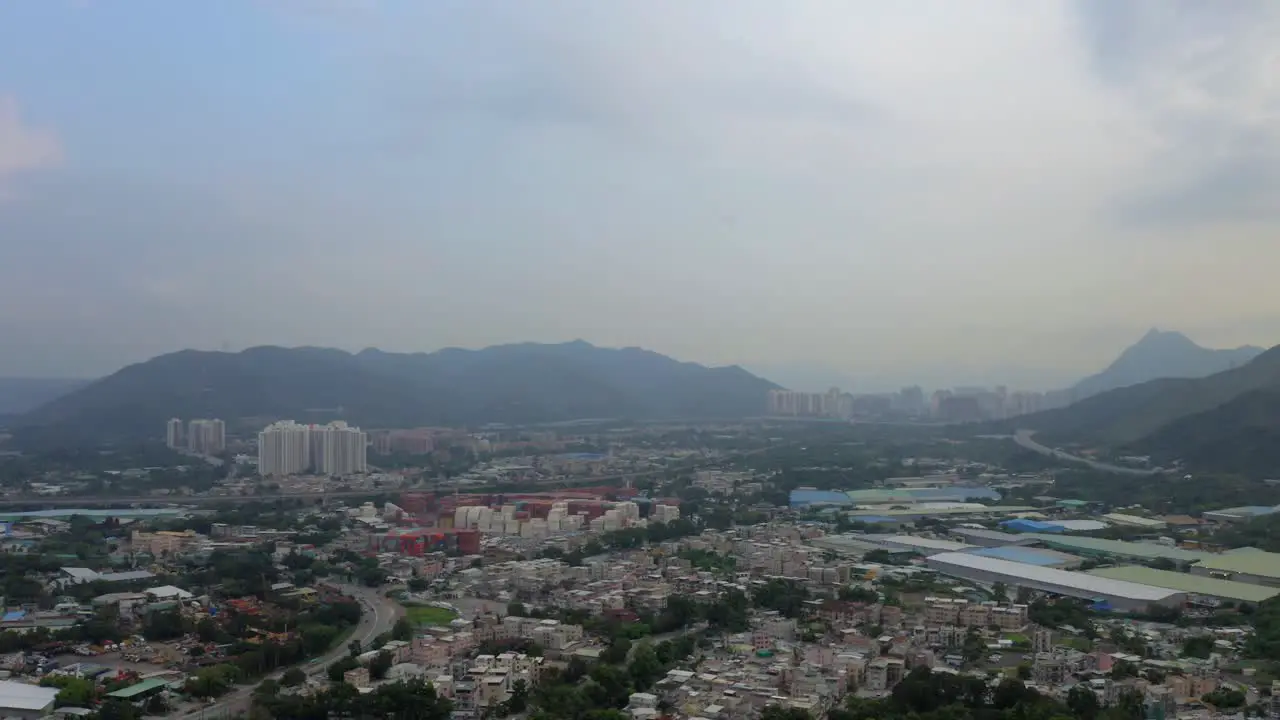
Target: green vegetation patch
[[429, 615]]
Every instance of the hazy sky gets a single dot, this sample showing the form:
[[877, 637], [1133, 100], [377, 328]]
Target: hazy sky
[[946, 190]]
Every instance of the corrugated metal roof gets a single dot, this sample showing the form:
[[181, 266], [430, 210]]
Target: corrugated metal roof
[[1261, 563], [1029, 556], [974, 510], [1119, 547], [139, 688], [1080, 525], [1049, 576], [1010, 538], [923, 543], [1184, 582], [21, 696], [1138, 520]]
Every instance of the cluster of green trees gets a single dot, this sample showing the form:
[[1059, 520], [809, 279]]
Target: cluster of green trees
[[407, 700], [1225, 698], [729, 612], [579, 692], [858, 594], [926, 695], [318, 629], [59, 458], [1262, 532], [1165, 494], [1265, 641], [710, 560], [599, 692], [1062, 611], [787, 597]]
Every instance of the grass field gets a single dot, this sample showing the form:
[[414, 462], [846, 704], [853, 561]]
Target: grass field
[[427, 615]]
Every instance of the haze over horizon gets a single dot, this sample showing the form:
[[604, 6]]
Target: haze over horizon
[[921, 194]]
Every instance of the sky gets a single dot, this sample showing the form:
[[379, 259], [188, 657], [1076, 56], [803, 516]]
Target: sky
[[877, 192]]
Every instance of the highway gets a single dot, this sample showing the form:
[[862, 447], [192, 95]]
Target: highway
[[1023, 438], [379, 615]]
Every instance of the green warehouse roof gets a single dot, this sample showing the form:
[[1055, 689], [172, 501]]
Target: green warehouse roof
[[1260, 563], [134, 691], [1184, 582], [1099, 546]]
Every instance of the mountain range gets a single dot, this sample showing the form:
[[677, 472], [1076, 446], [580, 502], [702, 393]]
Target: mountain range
[[511, 384], [1162, 354], [19, 395], [1228, 421]]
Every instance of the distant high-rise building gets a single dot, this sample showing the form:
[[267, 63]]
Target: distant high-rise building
[[911, 400], [287, 448], [173, 435], [802, 404], [284, 448], [206, 437], [337, 449]]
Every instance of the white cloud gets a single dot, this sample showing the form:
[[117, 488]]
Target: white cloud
[[23, 148]]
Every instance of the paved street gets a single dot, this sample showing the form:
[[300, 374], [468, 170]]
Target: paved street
[[379, 614]]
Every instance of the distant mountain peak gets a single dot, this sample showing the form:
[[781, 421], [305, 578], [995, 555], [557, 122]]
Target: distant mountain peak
[[1163, 354]]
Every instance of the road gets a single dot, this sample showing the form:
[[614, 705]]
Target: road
[[1023, 438], [379, 614]]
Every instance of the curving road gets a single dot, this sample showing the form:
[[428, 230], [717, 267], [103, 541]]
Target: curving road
[[1023, 438], [379, 614]]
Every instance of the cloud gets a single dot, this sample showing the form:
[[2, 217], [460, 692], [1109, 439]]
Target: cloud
[[23, 148], [870, 185], [1203, 75]]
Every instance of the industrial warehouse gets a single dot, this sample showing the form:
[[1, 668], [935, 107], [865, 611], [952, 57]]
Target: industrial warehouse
[[1115, 594]]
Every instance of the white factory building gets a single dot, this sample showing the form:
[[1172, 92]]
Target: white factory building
[[1119, 594]]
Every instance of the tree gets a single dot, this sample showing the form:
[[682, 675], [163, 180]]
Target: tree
[[853, 593], [338, 670], [402, 630], [293, 677], [519, 700], [1123, 669], [164, 625], [1225, 698], [999, 592], [1083, 702], [973, 647], [73, 691], [1009, 693], [645, 667], [1198, 647], [207, 630], [617, 652], [380, 664], [777, 712], [213, 681], [114, 709]]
